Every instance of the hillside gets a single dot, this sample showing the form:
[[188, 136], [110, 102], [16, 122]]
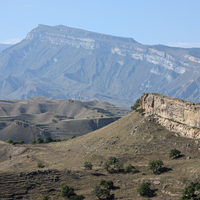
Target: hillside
[[67, 63], [41, 117], [4, 46], [135, 139]]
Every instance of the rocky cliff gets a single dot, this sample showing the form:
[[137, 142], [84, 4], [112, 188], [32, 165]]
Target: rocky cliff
[[176, 115]]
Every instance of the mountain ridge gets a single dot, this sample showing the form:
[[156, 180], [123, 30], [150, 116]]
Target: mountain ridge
[[67, 63]]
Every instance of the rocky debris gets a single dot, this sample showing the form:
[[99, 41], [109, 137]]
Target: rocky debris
[[164, 187], [156, 182], [142, 173], [188, 158]]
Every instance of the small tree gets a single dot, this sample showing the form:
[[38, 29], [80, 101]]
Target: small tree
[[21, 142], [10, 157], [9, 141], [136, 105], [40, 140], [144, 189], [155, 165], [174, 153], [87, 165], [48, 139], [32, 142], [66, 191]]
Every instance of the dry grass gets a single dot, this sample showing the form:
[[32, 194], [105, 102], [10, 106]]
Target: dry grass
[[120, 139]]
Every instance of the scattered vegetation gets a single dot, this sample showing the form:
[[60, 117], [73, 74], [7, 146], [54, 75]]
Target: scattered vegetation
[[18, 142], [54, 121], [192, 191], [73, 137], [106, 184], [99, 192], [174, 153], [87, 165], [136, 105], [155, 165]]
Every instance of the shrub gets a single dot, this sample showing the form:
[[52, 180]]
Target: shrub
[[73, 137], [40, 140], [87, 165], [141, 110], [45, 197], [174, 153], [67, 191], [106, 165], [9, 141], [188, 191], [129, 167], [18, 142], [39, 165], [155, 165], [32, 142], [136, 105], [106, 184], [78, 197], [144, 189], [98, 192], [48, 139], [118, 166]]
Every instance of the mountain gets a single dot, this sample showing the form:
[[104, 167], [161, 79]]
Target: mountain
[[4, 46], [67, 63]]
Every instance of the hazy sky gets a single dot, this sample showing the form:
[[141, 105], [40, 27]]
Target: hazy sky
[[168, 22]]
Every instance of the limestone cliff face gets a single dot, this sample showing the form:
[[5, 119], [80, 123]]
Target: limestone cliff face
[[175, 114]]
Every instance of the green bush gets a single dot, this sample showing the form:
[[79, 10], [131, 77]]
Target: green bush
[[45, 197], [39, 165], [87, 165], [40, 140], [144, 189], [48, 139], [78, 197], [73, 137], [98, 192], [32, 142], [141, 110], [155, 165], [18, 142], [106, 184], [67, 191], [9, 141], [136, 105], [129, 167], [118, 166], [106, 165], [174, 153]]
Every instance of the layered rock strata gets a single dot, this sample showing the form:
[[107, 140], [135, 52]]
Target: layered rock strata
[[176, 115]]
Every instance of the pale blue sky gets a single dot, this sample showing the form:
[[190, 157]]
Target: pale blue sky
[[168, 22]]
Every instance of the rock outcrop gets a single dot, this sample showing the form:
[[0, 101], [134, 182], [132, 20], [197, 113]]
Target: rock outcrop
[[176, 115]]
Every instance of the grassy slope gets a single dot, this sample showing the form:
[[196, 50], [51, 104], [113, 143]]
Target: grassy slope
[[122, 140]]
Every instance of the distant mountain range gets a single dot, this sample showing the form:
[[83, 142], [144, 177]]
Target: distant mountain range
[[4, 46], [69, 63]]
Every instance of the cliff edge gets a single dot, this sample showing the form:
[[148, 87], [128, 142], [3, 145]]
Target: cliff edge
[[176, 115]]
